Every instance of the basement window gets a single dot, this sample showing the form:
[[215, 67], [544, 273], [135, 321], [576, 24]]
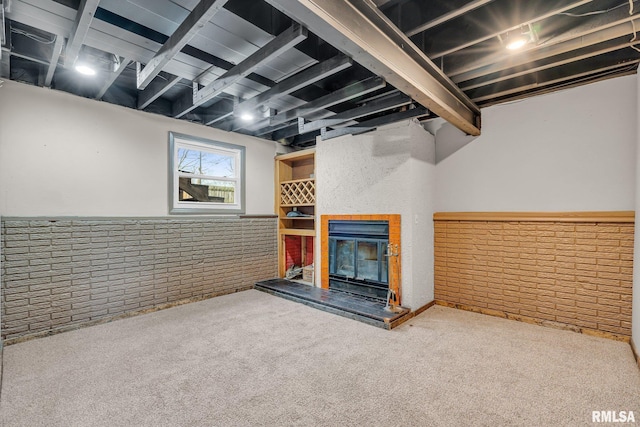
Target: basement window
[[205, 176]]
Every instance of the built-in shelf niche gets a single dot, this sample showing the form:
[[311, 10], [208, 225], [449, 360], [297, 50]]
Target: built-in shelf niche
[[295, 192]]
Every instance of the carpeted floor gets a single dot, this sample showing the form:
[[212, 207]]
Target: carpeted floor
[[252, 359]]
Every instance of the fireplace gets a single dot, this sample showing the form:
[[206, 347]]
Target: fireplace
[[358, 261], [360, 255]]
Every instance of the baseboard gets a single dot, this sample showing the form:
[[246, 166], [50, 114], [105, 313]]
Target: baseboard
[[424, 308], [412, 314], [534, 321]]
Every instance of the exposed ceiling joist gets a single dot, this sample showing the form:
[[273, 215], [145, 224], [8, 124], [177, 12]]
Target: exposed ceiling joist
[[218, 118], [369, 125], [589, 44], [48, 16], [565, 59], [124, 62], [199, 16], [624, 69], [448, 16], [265, 129], [55, 56], [86, 10], [543, 84], [317, 109], [297, 81], [492, 34], [219, 111], [328, 118], [597, 30], [339, 96], [58, 19], [360, 29], [27, 57], [283, 42], [155, 90], [394, 100]]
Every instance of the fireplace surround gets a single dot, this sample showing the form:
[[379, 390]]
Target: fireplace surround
[[361, 255]]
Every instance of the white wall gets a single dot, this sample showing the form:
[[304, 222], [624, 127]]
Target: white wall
[[389, 171], [63, 155], [635, 316], [422, 188], [572, 150]]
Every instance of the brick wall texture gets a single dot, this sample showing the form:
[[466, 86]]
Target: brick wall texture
[[578, 274], [293, 250], [60, 273]]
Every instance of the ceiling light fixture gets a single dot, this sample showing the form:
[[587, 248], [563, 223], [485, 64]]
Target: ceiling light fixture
[[246, 117], [516, 40], [517, 43], [85, 70]]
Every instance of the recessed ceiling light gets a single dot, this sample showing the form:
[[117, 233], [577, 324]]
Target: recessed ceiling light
[[517, 39], [85, 70], [517, 43], [246, 117]]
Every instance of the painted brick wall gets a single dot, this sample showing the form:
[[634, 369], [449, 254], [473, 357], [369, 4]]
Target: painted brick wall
[[57, 274], [573, 273], [293, 250], [310, 243]]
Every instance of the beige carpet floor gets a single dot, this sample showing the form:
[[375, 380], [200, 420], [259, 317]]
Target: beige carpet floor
[[252, 359]]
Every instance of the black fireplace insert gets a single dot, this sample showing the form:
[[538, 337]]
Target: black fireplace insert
[[358, 261]]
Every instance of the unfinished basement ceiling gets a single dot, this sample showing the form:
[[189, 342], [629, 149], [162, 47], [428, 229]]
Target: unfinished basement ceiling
[[304, 68]]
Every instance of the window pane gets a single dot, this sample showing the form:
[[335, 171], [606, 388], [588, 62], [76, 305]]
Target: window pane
[[206, 176], [206, 163], [206, 190]]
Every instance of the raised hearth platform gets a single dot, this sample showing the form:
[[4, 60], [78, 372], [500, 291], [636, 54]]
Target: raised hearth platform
[[336, 302]]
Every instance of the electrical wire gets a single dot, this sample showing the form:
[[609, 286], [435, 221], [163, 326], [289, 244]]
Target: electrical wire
[[635, 36], [633, 25], [599, 12], [33, 36]]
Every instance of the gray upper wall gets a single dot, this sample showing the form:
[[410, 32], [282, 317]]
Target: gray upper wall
[[569, 150], [572, 150], [63, 155]]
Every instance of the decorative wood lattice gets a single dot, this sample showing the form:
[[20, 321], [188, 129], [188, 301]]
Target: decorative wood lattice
[[296, 193]]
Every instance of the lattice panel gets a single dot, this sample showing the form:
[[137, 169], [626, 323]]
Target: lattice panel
[[301, 192]]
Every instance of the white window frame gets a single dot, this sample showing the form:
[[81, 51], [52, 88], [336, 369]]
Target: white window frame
[[177, 141]]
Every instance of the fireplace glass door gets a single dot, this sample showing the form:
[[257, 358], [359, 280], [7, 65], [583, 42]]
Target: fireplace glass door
[[344, 265], [359, 259]]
